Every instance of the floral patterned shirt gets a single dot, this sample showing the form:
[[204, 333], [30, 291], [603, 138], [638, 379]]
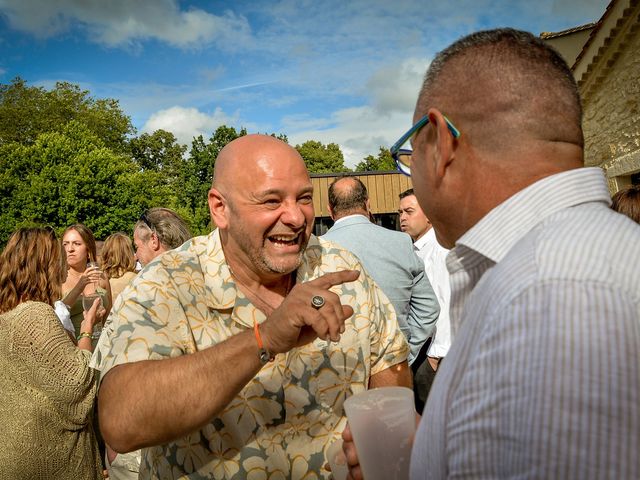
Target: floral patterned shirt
[[283, 420]]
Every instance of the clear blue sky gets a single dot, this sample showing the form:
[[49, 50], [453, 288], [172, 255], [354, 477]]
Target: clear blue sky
[[343, 71]]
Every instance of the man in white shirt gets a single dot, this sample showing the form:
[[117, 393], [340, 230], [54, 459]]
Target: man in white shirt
[[414, 222], [389, 258], [542, 379]]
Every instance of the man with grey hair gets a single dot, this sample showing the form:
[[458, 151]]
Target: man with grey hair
[[158, 230], [542, 379]]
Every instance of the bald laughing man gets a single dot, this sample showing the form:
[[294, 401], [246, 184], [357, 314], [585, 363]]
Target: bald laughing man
[[238, 349]]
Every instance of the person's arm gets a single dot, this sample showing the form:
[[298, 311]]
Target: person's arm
[[53, 363], [396, 375], [107, 299], [91, 274], [86, 327], [389, 343], [424, 309], [166, 399]]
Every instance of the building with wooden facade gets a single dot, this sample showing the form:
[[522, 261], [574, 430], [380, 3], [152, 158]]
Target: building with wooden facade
[[383, 188]]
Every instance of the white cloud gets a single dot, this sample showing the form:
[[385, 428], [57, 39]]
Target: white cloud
[[395, 87], [360, 131], [125, 23], [186, 123]]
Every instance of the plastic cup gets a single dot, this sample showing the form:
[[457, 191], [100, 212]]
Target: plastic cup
[[383, 422], [337, 461]]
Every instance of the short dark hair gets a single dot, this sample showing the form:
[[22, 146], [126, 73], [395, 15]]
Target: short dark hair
[[347, 199], [406, 193], [503, 83], [627, 202]]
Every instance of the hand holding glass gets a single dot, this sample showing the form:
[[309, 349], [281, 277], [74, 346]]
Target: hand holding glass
[[87, 303], [383, 422]]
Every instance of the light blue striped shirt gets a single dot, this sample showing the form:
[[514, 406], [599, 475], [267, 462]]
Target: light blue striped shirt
[[543, 377]]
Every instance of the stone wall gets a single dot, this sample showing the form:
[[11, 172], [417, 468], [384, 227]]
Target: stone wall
[[612, 111]]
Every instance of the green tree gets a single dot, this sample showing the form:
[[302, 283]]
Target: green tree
[[157, 151], [196, 175], [27, 111], [71, 176], [383, 162], [321, 158]]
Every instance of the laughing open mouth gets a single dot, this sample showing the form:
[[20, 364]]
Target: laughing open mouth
[[284, 240]]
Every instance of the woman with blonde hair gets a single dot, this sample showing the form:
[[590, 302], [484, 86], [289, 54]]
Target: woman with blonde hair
[[84, 277], [118, 262], [48, 389]]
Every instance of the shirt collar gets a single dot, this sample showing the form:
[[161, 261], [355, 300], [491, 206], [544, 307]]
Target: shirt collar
[[498, 231], [423, 240], [218, 281], [355, 215], [221, 286]]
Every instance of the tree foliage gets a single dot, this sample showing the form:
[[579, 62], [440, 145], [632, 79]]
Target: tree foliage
[[321, 158], [383, 162], [157, 151], [197, 174], [71, 176], [27, 111], [66, 157]]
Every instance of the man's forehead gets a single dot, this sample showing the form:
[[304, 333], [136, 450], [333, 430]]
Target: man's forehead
[[285, 189], [408, 201]]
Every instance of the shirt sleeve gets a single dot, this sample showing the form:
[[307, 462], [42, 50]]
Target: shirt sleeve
[[424, 308], [147, 325], [388, 344], [52, 364], [555, 390]]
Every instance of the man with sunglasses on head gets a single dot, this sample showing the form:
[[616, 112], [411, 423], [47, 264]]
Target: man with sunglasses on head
[[158, 230], [542, 379], [232, 355]]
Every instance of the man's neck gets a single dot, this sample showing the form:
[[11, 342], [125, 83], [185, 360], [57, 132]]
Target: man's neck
[[342, 216], [266, 295], [271, 288], [421, 235]]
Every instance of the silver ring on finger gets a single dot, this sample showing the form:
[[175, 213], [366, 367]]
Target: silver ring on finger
[[317, 301]]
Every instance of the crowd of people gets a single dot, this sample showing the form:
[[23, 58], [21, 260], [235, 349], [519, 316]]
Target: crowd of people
[[509, 302]]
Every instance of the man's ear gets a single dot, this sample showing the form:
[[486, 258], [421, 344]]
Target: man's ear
[[155, 242], [218, 208], [445, 143], [331, 213]]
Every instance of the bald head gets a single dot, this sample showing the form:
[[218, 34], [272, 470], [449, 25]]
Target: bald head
[[348, 196], [261, 201], [251, 153], [502, 87]]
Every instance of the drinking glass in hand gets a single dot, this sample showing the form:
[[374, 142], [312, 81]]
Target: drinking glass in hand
[[87, 303], [93, 264]]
